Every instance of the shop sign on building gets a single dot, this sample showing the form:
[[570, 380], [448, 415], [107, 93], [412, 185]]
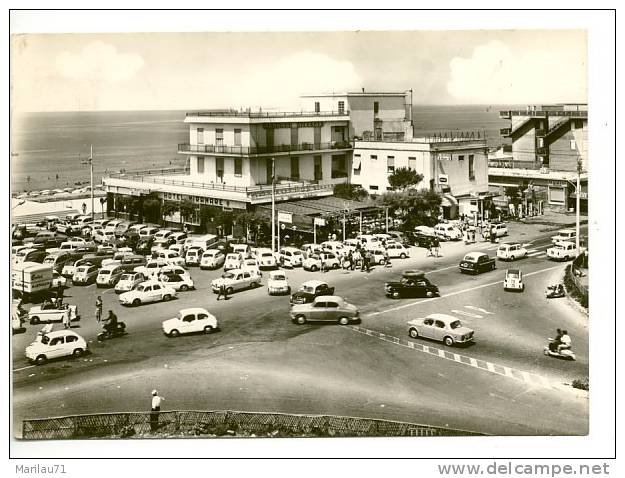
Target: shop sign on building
[[285, 217]]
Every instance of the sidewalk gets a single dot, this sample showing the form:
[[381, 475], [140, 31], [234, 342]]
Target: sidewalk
[[558, 219]]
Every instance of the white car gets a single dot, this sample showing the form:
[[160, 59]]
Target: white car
[[377, 256], [513, 280], [236, 279], [212, 259], [177, 281], [564, 235], [53, 344], [233, 261], [448, 232], [109, 275], [313, 262], [193, 255], [129, 281], [190, 320], [58, 280], [162, 234], [251, 265], [511, 251], [40, 314], [152, 267], [173, 269], [146, 292], [291, 257], [172, 257], [397, 250], [266, 258], [562, 251], [278, 283]]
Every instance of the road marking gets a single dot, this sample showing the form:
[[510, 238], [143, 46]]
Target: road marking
[[451, 294], [479, 309], [501, 370], [23, 368], [539, 253], [467, 314]]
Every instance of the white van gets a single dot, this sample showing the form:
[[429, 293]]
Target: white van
[[112, 225], [448, 232], [333, 246], [205, 242], [244, 249], [148, 231]]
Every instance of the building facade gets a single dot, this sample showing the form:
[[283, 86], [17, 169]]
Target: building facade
[[457, 167], [548, 144]]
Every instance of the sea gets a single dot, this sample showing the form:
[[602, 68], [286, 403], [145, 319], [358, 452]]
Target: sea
[[49, 150]]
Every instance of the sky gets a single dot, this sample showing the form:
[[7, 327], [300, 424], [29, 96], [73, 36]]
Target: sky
[[186, 71]]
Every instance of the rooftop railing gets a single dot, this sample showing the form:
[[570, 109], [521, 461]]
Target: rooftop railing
[[512, 164], [268, 114], [260, 150], [543, 113]]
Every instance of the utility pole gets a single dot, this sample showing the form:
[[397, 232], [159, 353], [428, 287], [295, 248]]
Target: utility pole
[[273, 206], [90, 163], [577, 202]]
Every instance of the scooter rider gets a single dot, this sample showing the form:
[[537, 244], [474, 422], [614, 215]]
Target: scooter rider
[[555, 343], [565, 341], [111, 322]]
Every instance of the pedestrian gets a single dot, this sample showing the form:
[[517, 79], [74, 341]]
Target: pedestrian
[[350, 260], [221, 290], [323, 263], [363, 261], [369, 257], [59, 291], [66, 317], [155, 410], [98, 308], [435, 246], [387, 260]]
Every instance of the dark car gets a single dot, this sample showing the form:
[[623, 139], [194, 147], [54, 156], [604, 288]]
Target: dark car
[[411, 284], [309, 290], [420, 239], [477, 262], [144, 246]]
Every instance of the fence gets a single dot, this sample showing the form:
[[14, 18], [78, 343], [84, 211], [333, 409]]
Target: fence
[[180, 423]]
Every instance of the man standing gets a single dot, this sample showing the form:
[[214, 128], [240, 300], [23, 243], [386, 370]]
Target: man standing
[[98, 308], [155, 410]]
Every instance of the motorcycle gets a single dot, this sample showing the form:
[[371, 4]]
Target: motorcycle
[[554, 291], [566, 354], [120, 329]]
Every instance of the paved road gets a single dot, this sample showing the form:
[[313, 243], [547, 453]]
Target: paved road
[[261, 361]]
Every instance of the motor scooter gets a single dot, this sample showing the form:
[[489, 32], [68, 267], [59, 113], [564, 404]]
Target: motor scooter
[[554, 291], [118, 331], [566, 354]]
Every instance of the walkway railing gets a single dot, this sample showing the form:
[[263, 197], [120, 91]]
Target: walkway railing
[[512, 164], [268, 114], [177, 423], [258, 150]]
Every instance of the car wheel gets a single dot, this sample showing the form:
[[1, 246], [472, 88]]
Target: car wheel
[[300, 319], [136, 302], [413, 333], [184, 287], [230, 291], [344, 321], [336, 266], [402, 256], [381, 262], [208, 329], [253, 285], [429, 293], [448, 341], [166, 297], [512, 258], [174, 333], [41, 359], [395, 294], [34, 320], [313, 269], [77, 352]]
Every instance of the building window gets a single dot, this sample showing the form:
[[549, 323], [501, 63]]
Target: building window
[[200, 136], [294, 167], [341, 107], [373, 188], [471, 157], [412, 163], [557, 195], [237, 137], [318, 168], [573, 145], [317, 107], [219, 169], [356, 165], [461, 157], [219, 137], [374, 157], [376, 107], [541, 142], [238, 167], [471, 168], [390, 164], [339, 167], [200, 165]]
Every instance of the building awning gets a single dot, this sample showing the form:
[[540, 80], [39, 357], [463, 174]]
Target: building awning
[[583, 194], [449, 200]]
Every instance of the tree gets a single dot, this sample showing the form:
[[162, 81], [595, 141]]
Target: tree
[[404, 178], [187, 209], [355, 192], [413, 207], [513, 192], [152, 207], [168, 209]]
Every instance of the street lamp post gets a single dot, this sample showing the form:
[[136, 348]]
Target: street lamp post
[[577, 202], [273, 206], [90, 163]]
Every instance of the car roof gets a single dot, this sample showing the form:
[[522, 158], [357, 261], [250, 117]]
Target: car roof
[[443, 317], [513, 271], [322, 298], [289, 248], [475, 255], [565, 243], [313, 283], [565, 230], [510, 244], [57, 333], [278, 272], [413, 273], [194, 310]]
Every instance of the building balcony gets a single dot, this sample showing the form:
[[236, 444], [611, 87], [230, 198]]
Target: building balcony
[[180, 182], [542, 150], [543, 113], [186, 148], [541, 132], [267, 114], [505, 131]]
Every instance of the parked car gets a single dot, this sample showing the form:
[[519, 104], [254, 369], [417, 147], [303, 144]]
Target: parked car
[[421, 239], [564, 235], [170, 270], [58, 260], [190, 320], [278, 283], [236, 280], [397, 250], [309, 290], [398, 236], [477, 262], [172, 257], [193, 255], [326, 308], [146, 292], [377, 256], [162, 234], [510, 251], [244, 249], [144, 246], [152, 267], [48, 313], [251, 265], [233, 261], [266, 258], [58, 280], [562, 251], [128, 281], [448, 232], [212, 259], [85, 274], [442, 327], [499, 228], [291, 257], [334, 247], [55, 344], [177, 281], [411, 284], [178, 237], [513, 280], [313, 262], [109, 275]]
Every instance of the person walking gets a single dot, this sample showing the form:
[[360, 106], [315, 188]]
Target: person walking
[[222, 292], [66, 317], [155, 410], [98, 308], [435, 246], [369, 258], [387, 260], [350, 260]]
